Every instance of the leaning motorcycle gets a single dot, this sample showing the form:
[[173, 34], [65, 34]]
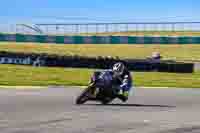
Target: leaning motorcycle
[[99, 89]]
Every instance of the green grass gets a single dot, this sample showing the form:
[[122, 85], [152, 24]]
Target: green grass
[[176, 52], [16, 75], [30, 76]]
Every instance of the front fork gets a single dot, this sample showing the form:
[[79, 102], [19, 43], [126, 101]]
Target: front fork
[[93, 91]]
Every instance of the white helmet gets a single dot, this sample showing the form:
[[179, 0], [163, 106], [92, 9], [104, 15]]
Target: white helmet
[[118, 69]]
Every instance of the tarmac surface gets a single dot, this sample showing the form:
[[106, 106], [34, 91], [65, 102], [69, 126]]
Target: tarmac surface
[[53, 110]]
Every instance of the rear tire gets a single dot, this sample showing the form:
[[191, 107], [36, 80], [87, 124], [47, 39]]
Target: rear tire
[[106, 101]]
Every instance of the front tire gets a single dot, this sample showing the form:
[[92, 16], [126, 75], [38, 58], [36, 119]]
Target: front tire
[[84, 96]]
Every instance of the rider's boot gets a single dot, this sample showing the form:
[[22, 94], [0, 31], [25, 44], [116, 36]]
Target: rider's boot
[[123, 96]]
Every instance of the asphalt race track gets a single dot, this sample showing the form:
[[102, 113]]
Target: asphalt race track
[[53, 111]]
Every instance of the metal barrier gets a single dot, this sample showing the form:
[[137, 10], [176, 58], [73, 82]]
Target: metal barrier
[[131, 28]]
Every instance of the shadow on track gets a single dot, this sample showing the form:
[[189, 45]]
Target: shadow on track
[[131, 105]]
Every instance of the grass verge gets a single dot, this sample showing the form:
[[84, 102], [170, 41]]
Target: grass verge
[[17, 75], [175, 52]]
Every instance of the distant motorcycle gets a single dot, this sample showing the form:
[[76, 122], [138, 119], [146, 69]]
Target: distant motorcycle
[[100, 89]]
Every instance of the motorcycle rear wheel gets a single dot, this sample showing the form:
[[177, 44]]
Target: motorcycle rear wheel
[[106, 101]]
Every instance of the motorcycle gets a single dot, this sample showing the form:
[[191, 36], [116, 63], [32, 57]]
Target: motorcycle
[[99, 89]]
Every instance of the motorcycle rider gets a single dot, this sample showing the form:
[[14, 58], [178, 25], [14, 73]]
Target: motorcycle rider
[[122, 79]]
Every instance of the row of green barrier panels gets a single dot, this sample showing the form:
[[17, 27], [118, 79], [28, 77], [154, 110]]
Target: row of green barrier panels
[[99, 39]]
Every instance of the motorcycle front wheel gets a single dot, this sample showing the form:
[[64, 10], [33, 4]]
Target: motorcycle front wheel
[[84, 96]]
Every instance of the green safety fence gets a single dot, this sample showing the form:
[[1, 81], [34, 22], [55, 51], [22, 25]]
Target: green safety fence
[[30, 38], [123, 39], [2, 37], [60, 39], [99, 39], [106, 40], [40, 38], [132, 40], [68, 40], [87, 40], [139, 40], [148, 40], [115, 40], [78, 40], [164, 40], [95, 40], [184, 40], [10, 37], [50, 39], [196, 40], [21, 38]]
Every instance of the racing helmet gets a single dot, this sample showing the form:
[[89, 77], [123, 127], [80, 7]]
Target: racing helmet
[[118, 69]]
